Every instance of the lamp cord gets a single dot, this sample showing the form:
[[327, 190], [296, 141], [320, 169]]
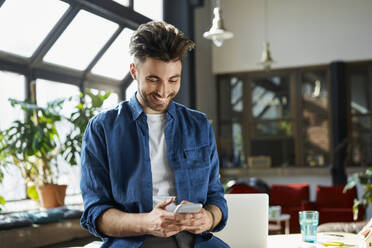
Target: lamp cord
[[266, 21]]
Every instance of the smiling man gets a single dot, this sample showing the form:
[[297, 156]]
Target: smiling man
[[150, 153]]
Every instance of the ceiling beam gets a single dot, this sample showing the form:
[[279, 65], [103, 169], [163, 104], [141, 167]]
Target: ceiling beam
[[113, 11], [48, 71], [13, 63]]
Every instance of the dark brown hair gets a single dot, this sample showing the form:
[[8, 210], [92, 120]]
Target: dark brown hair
[[159, 40]]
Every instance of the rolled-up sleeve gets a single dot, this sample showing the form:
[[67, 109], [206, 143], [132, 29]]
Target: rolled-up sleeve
[[95, 180], [215, 189]]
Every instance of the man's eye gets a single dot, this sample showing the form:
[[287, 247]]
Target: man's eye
[[152, 80], [173, 80]]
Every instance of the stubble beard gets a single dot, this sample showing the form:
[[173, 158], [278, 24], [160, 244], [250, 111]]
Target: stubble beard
[[146, 98]]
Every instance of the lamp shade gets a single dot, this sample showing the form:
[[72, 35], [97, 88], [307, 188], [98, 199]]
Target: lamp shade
[[217, 32], [266, 59]]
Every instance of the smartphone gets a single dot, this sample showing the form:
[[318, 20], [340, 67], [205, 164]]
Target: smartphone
[[188, 208]]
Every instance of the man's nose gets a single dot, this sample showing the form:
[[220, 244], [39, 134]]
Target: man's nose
[[163, 90]]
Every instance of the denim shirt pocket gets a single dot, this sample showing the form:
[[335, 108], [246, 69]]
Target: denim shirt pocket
[[197, 156], [198, 166]]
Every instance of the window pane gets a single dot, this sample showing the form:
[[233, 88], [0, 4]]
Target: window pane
[[11, 86], [231, 147], [236, 94], [362, 140], [115, 62], [123, 2], [315, 118], [231, 98], [152, 9], [24, 24], [281, 128], [270, 98], [47, 91], [131, 90], [281, 151], [81, 41], [359, 84]]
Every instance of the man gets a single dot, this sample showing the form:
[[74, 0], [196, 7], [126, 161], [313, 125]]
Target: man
[[151, 148]]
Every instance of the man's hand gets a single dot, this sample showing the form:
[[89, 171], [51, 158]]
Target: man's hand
[[162, 223], [195, 222]]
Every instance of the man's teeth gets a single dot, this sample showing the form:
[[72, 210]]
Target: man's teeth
[[160, 99]]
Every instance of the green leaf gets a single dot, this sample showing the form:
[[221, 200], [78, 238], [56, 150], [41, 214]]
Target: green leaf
[[2, 200], [353, 180], [32, 193]]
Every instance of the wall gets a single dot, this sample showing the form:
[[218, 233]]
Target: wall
[[300, 33], [206, 97]]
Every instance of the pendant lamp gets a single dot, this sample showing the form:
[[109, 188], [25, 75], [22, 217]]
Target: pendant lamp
[[266, 59], [217, 33]]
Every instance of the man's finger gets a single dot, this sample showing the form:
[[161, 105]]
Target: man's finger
[[164, 203]]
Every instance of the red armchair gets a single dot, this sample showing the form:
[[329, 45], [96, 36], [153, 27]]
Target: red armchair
[[291, 198], [247, 185], [335, 206]]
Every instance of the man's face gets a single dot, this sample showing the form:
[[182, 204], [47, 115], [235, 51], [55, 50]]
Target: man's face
[[158, 83]]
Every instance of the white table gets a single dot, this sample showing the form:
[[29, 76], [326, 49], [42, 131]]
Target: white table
[[285, 218], [295, 240]]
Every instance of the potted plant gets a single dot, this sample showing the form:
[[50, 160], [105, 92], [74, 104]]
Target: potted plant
[[365, 179], [80, 117], [32, 145]]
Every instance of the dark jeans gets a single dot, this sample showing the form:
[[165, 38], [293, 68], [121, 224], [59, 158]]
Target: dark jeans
[[180, 240]]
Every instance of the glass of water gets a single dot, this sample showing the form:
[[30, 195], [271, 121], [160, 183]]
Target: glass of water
[[309, 223]]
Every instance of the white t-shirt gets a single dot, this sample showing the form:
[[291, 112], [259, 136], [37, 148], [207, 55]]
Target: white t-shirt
[[163, 184]]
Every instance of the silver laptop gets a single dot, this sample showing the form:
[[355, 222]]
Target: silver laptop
[[247, 225]]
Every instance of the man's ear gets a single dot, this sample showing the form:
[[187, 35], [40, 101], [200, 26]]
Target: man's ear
[[133, 71]]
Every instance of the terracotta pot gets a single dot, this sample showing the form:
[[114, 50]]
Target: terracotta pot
[[51, 195]]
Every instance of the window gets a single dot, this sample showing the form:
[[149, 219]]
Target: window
[[12, 86], [115, 62], [360, 80], [24, 24], [49, 91], [80, 43], [271, 120], [280, 115], [123, 2], [152, 9], [67, 58], [231, 122], [131, 90], [315, 124]]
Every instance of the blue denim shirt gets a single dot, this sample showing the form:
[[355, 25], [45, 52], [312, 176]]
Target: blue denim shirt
[[116, 169]]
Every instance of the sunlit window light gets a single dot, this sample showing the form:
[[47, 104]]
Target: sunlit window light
[[24, 24], [81, 41]]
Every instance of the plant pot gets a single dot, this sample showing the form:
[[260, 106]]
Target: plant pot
[[51, 195]]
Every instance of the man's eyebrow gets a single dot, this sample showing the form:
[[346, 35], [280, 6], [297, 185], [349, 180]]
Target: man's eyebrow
[[176, 76], [152, 76]]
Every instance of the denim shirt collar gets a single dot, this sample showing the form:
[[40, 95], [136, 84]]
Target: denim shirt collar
[[137, 109]]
